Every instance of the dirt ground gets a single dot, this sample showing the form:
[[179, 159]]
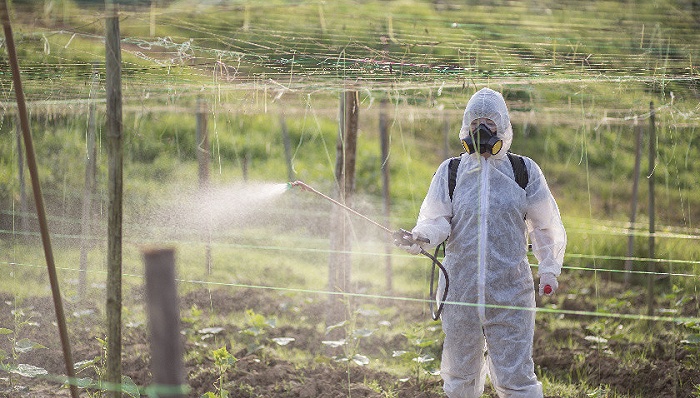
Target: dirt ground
[[661, 374]]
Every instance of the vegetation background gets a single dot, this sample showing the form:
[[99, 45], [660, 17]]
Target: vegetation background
[[580, 79]]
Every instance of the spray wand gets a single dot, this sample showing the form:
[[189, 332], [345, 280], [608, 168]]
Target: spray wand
[[401, 236]]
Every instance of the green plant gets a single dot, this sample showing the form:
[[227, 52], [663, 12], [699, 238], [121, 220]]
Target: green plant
[[257, 325], [223, 361], [10, 362], [98, 365], [420, 357]]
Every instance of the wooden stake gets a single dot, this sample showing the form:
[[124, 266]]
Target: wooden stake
[[164, 323], [384, 144], [38, 197], [635, 195], [652, 221], [114, 225]]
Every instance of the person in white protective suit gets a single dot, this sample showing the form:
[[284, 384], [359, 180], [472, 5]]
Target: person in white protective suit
[[488, 221]]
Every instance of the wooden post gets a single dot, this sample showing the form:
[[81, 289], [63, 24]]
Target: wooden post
[[164, 323], [89, 189], [153, 17], [287, 149], [446, 132], [203, 154], [23, 204], [38, 197], [635, 195], [652, 226], [340, 259], [203, 158], [384, 144], [115, 191]]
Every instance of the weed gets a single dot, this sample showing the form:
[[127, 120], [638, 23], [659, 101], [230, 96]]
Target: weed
[[223, 361], [10, 362], [98, 366], [420, 357], [351, 348], [256, 330]]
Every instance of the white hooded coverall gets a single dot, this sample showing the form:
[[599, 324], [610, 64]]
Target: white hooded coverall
[[488, 221]]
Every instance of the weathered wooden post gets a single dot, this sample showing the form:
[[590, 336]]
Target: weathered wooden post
[[287, 149], [203, 158], [652, 222], [89, 188], [384, 144], [164, 323], [114, 223], [203, 154], [38, 197], [339, 275], [635, 195], [23, 204]]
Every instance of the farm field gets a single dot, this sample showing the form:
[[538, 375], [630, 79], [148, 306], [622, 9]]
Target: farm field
[[603, 95]]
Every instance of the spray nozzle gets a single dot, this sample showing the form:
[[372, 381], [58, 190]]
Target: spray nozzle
[[300, 184]]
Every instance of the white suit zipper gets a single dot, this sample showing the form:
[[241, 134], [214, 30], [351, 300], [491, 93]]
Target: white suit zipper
[[483, 228]]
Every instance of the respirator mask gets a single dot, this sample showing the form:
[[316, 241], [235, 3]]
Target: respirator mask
[[484, 139]]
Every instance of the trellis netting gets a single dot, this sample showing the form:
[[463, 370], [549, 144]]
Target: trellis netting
[[581, 79]]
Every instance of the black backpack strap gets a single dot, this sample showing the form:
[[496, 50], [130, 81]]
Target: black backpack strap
[[452, 175], [519, 169]]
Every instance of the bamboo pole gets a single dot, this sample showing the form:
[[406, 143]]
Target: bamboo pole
[[115, 192], [38, 197]]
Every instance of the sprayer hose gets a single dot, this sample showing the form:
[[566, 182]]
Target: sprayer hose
[[436, 262]]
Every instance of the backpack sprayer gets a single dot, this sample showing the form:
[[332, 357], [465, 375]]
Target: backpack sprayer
[[401, 236]]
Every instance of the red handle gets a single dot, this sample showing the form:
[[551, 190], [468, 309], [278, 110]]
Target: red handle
[[547, 289]]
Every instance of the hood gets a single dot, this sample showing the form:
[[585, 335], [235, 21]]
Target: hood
[[489, 104]]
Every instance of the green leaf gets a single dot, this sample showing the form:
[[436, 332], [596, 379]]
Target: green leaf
[[336, 326], [25, 345], [692, 339], [424, 359], [129, 387], [334, 343], [283, 340], [5, 331], [422, 343], [82, 365], [360, 359], [84, 382], [362, 332], [30, 371]]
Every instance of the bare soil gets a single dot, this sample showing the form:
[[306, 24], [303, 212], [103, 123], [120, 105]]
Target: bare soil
[[562, 354]]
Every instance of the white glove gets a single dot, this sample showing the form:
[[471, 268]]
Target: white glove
[[547, 279], [415, 246]]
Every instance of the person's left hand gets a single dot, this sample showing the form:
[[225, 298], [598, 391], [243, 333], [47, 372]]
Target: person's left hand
[[409, 241], [548, 284]]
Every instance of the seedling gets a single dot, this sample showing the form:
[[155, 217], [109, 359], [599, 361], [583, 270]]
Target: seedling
[[419, 358], [10, 362], [223, 361]]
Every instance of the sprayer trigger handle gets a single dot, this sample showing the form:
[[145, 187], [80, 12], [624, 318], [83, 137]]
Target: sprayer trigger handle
[[406, 237]]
